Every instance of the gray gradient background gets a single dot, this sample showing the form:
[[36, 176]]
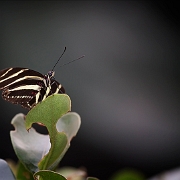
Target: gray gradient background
[[126, 89]]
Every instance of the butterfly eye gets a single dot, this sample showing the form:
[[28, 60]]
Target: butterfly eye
[[51, 73]]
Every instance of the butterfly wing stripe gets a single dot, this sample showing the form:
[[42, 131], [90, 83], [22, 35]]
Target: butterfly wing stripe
[[13, 75], [21, 79], [6, 72], [25, 82], [60, 88], [37, 97], [10, 71], [46, 93], [24, 93], [57, 89], [20, 97], [33, 87], [26, 105]]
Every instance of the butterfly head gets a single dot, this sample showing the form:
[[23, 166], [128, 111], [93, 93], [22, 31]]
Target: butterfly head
[[51, 74]]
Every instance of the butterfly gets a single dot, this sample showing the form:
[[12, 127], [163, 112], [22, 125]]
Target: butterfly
[[28, 87]]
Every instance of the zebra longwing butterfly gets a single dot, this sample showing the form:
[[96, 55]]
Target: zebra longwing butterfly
[[28, 87]]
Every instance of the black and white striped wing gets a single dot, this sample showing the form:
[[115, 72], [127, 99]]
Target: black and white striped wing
[[19, 85], [25, 86], [55, 88]]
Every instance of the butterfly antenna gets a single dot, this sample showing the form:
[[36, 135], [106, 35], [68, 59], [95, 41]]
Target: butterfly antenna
[[72, 61], [59, 58]]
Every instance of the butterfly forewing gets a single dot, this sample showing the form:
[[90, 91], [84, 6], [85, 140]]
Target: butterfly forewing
[[26, 87], [11, 76]]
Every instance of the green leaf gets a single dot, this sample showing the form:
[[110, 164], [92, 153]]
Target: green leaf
[[48, 112], [41, 152], [67, 125], [49, 175], [128, 174]]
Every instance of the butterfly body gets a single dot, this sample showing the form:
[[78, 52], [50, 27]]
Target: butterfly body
[[27, 87]]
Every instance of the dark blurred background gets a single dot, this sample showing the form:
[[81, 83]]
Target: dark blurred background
[[126, 89]]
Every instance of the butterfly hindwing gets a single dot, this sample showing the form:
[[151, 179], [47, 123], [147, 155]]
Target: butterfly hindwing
[[56, 88]]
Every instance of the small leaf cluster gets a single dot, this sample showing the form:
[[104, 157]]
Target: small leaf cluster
[[38, 154]]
